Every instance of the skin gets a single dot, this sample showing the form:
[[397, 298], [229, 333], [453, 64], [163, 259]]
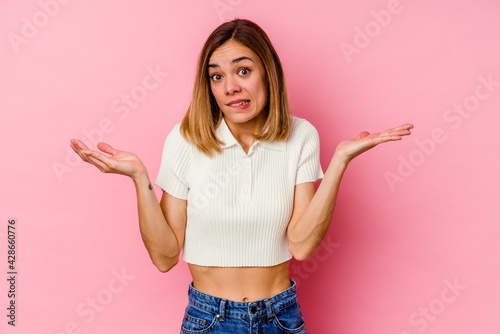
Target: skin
[[233, 77], [163, 224]]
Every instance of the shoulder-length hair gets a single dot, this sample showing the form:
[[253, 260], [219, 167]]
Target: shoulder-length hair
[[204, 116]]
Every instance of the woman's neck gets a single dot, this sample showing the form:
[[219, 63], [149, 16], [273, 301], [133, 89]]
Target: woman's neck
[[245, 133]]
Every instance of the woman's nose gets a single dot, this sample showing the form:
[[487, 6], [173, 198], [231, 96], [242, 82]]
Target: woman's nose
[[232, 85]]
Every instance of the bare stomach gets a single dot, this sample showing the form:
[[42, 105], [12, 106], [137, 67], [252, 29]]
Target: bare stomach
[[242, 284]]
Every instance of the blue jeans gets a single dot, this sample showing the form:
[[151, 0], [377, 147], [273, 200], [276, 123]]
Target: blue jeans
[[274, 315]]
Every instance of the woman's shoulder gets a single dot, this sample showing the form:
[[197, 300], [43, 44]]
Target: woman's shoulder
[[176, 130], [175, 140], [301, 128], [176, 133]]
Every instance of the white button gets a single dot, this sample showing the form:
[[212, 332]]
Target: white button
[[246, 179], [245, 190]]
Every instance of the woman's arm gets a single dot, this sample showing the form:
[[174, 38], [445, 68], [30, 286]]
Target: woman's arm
[[162, 225], [312, 212]]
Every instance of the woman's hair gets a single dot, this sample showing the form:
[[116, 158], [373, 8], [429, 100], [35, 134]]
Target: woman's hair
[[204, 116]]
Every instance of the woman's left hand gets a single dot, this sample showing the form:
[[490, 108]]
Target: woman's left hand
[[351, 148]]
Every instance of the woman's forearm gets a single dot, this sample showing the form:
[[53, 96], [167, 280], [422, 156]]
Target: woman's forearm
[[157, 235], [310, 229]]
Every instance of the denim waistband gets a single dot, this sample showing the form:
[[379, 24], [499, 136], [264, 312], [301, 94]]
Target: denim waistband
[[255, 309]]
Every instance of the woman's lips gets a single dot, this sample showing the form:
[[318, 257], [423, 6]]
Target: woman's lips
[[239, 104]]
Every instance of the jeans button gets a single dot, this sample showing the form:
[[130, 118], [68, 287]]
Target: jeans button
[[253, 309]]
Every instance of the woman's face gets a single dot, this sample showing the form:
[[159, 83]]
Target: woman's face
[[238, 82]]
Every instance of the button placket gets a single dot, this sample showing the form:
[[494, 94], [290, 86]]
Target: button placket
[[245, 179]]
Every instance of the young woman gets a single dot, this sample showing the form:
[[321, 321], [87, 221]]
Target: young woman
[[238, 188]]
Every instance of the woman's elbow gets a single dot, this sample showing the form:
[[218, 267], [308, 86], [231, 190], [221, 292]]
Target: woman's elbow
[[301, 253], [302, 256], [165, 266]]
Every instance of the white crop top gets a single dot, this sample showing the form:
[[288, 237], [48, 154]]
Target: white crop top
[[238, 204]]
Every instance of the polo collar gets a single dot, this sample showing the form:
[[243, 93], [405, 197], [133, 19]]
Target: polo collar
[[225, 135], [273, 145]]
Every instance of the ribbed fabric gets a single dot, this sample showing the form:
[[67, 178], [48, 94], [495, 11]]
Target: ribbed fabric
[[238, 204]]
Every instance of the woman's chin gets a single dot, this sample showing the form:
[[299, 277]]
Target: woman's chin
[[241, 117]]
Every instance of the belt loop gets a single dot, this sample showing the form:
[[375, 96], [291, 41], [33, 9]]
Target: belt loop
[[222, 309], [269, 309]]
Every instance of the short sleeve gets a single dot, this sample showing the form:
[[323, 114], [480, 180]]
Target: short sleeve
[[175, 163], [309, 166]]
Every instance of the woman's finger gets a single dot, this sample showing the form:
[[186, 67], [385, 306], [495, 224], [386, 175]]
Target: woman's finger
[[74, 146], [107, 148], [103, 167], [399, 133], [80, 148], [84, 155], [390, 136], [76, 149], [399, 129], [407, 126], [79, 144], [99, 156], [394, 132], [362, 134], [385, 138]]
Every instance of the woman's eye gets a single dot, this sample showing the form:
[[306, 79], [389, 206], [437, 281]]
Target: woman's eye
[[215, 77], [244, 71]]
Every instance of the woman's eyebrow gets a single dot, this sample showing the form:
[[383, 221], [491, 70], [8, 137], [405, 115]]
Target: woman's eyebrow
[[234, 61]]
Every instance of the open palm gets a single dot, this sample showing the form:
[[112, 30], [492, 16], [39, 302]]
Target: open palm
[[119, 162], [351, 148]]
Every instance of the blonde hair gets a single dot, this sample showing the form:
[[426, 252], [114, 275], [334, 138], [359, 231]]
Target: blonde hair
[[204, 116]]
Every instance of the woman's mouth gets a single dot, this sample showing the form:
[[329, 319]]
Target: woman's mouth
[[238, 103]]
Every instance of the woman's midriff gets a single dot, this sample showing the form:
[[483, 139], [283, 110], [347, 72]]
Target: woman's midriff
[[243, 284]]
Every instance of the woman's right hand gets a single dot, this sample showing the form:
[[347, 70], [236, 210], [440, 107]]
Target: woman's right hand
[[120, 162]]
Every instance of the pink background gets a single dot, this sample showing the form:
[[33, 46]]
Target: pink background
[[412, 219]]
